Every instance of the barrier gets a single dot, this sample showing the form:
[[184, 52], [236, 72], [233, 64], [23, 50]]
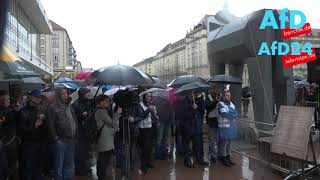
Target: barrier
[[255, 138]]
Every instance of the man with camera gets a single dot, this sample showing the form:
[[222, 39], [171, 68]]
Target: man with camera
[[34, 134]]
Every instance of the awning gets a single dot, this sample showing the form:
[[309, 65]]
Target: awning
[[9, 56], [13, 67]]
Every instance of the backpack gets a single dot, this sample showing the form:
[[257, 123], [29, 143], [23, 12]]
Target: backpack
[[93, 132]]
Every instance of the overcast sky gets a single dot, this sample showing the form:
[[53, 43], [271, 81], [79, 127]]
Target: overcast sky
[[105, 32]]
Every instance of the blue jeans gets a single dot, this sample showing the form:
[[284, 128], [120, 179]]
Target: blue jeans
[[63, 160], [162, 139], [32, 160]]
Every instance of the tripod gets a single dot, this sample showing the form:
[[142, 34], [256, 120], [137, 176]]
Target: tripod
[[126, 143]]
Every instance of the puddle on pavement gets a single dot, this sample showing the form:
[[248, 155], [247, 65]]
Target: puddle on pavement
[[247, 174], [206, 174]]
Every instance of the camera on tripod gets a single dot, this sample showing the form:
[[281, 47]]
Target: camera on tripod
[[126, 98]]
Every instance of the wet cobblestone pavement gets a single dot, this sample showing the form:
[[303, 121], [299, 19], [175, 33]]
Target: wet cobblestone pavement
[[174, 170]]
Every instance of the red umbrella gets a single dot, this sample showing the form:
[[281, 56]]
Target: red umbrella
[[172, 98], [83, 75]]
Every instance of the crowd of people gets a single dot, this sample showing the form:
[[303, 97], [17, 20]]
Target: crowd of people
[[46, 133]]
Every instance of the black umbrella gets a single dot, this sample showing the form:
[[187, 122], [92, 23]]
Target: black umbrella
[[195, 87], [186, 79], [121, 75], [158, 83], [224, 79]]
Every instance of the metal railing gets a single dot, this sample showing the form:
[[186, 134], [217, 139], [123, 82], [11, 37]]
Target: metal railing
[[254, 140]]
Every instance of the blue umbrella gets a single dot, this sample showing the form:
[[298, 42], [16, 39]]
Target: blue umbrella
[[63, 80], [67, 85], [105, 87]]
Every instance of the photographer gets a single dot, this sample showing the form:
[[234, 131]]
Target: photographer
[[105, 143], [34, 135], [127, 131], [82, 108]]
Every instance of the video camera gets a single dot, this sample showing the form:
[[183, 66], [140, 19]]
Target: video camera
[[126, 98]]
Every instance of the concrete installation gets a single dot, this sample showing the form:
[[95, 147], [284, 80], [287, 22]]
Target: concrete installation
[[236, 41]]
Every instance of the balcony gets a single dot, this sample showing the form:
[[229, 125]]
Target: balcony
[[37, 15]]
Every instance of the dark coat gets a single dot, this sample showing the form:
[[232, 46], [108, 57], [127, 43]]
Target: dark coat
[[186, 117], [201, 107], [59, 123], [210, 105], [80, 106], [7, 128], [165, 110], [140, 114], [124, 125], [27, 120]]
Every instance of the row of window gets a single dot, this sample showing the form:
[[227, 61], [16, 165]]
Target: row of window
[[20, 32]]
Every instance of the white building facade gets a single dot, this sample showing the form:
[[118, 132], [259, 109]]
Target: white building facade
[[26, 21]]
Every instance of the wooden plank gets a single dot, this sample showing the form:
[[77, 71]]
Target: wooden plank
[[292, 131]]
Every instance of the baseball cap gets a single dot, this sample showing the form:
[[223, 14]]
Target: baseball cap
[[35, 93]]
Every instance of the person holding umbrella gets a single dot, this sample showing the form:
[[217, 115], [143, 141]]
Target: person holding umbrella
[[165, 110], [187, 114], [83, 110], [227, 127], [198, 140], [211, 102], [146, 115]]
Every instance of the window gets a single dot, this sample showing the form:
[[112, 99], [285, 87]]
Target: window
[[43, 58], [42, 50], [55, 58], [55, 42], [55, 50], [42, 41], [55, 65]]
